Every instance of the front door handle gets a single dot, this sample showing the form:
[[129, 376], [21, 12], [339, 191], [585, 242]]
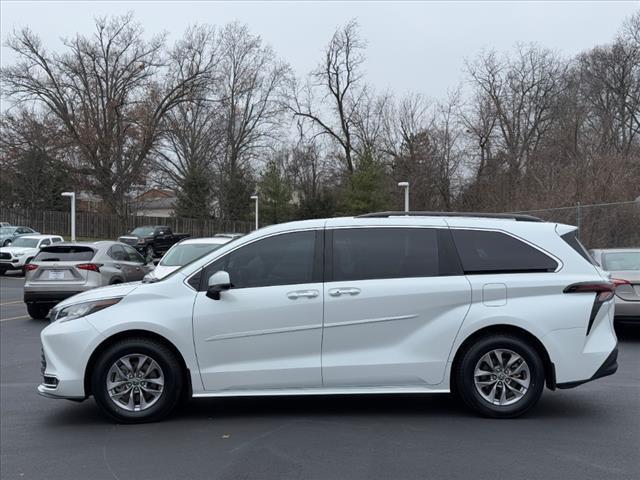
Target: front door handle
[[337, 292], [303, 294]]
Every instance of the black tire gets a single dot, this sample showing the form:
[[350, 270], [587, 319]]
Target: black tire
[[38, 311], [3, 271], [173, 380], [463, 379]]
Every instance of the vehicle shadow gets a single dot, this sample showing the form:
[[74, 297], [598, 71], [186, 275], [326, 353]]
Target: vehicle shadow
[[628, 333]]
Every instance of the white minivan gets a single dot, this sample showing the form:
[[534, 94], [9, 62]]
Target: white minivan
[[489, 307]]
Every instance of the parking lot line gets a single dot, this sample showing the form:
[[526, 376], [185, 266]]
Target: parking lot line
[[11, 303], [13, 318]]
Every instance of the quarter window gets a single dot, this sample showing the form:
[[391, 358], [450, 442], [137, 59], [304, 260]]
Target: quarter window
[[286, 259], [378, 253], [495, 252]]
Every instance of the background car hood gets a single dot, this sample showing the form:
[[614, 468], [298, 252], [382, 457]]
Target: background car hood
[[15, 250], [162, 271], [110, 291]]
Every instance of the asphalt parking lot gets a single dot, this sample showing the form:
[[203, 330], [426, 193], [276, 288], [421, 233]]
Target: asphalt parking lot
[[592, 432]]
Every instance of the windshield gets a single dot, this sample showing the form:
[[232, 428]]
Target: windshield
[[25, 242], [142, 231], [6, 230], [183, 254], [621, 261]]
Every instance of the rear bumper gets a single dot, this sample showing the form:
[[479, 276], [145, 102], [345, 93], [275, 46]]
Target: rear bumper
[[609, 367], [48, 297], [627, 320]]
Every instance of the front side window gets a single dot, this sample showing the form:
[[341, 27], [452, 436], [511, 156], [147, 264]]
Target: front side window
[[117, 253], [286, 259], [379, 253], [495, 252], [131, 255]]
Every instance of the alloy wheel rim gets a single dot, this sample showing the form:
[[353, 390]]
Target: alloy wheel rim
[[502, 377], [135, 382]]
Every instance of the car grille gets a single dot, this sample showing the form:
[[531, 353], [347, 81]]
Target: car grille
[[5, 256], [129, 241], [43, 362]]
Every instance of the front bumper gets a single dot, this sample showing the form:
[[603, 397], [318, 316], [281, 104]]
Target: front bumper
[[609, 367], [13, 264], [66, 349]]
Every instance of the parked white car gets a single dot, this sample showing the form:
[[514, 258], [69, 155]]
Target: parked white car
[[23, 250], [183, 253], [491, 308]]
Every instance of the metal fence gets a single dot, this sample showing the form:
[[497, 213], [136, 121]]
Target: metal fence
[[108, 226], [601, 225]]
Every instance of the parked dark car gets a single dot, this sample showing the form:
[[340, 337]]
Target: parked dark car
[[152, 240]]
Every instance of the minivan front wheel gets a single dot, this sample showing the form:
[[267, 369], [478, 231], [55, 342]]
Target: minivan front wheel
[[500, 376], [137, 380]]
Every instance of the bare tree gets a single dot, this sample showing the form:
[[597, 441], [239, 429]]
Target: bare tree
[[111, 92], [247, 90], [335, 90]]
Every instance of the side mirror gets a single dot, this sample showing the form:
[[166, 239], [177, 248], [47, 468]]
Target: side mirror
[[218, 282]]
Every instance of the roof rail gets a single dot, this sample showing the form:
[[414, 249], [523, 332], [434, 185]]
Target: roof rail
[[506, 216]]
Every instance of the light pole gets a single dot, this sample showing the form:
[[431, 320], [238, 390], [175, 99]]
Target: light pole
[[405, 185], [73, 213], [255, 197]]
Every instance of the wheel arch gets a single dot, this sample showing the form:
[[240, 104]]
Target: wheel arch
[[549, 367], [138, 333]]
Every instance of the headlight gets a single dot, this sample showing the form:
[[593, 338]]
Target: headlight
[[81, 309]]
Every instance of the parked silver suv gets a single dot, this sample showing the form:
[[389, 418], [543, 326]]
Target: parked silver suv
[[63, 270]]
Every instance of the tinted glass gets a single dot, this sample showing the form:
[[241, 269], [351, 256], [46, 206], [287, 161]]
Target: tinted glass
[[374, 253], [117, 253], [572, 239], [495, 252], [132, 255], [183, 254], [286, 259], [45, 242], [65, 253], [621, 261]]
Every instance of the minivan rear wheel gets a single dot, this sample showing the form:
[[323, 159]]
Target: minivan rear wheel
[[137, 380], [500, 376], [38, 311]]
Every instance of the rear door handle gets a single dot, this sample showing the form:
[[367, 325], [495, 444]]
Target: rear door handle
[[337, 292], [303, 294]]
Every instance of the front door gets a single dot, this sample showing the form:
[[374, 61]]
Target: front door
[[266, 331], [394, 301]]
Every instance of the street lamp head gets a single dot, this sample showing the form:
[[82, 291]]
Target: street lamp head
[[254, 197], [403, 184], [68, 194]]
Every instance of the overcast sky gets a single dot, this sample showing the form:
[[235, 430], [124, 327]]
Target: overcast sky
[[413, 46]]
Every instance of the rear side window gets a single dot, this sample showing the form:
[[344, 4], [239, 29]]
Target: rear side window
[[495, 252], [67, 253], [572, 239], [117, 253], [379, 253]]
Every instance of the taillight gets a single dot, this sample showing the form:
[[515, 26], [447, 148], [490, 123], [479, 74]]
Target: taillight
[[30, 266], [604, 292], [92, 267], [618, 281]]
